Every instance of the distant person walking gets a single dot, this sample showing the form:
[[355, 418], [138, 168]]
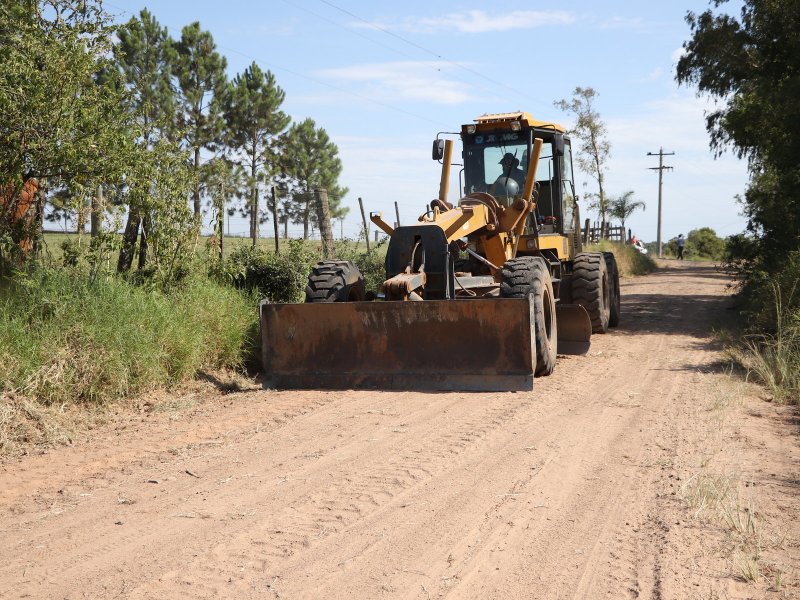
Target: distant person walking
[[681, 244]]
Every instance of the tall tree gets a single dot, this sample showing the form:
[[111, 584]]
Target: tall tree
[[311, 160], [594, 148], [202, 83], [254, 120], [751, 66], [58, 124], [145, 57], [622, 207]]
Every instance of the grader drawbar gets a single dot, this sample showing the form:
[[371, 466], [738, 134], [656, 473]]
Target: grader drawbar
[[482, 294]]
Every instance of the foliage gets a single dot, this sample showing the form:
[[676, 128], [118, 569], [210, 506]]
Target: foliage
[[276, 277], [705, 243], [622, 207], [594, 150], [59, 124], [158, 187], [751, 66], [771, 348], [145, 56], [202, 84], [254, 119], [310, 160], [69, 340]]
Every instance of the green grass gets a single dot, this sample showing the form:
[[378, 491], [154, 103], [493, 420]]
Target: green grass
[[68, 341], [629, 260]]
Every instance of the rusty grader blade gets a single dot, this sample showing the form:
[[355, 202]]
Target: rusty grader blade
[[477, 344], [574, 329]]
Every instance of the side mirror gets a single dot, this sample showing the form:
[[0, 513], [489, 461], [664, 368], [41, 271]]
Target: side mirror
[[438, 150]]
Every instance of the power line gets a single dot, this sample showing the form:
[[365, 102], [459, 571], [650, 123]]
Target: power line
[[302, 76], [350, 31], [426, 50]]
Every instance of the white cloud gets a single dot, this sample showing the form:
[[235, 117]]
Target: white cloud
[[408, 80], [622, 23], [478, 21]]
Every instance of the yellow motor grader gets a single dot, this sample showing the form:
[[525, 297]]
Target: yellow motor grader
[[480, 294]]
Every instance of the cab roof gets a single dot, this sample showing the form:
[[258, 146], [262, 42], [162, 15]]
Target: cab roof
[[525, 118]]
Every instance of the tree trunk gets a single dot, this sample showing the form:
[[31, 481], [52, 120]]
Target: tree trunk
[[147, 226], [324, 218], [275, 220], [38, 217], [196, 195], [129, 241], [253, 205], [98, 208], [81, 218]]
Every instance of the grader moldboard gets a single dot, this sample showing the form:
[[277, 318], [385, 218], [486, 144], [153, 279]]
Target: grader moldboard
[[479, 295]]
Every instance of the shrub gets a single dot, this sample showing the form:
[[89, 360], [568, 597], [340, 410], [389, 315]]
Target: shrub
[[276, 277]]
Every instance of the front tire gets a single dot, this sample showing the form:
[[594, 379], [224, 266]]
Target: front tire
[[335, 281], [591, 288], [529, 276]]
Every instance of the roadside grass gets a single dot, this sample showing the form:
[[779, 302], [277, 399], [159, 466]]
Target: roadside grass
[[714, 495], [629, 260], [68, 343], [773, 358]]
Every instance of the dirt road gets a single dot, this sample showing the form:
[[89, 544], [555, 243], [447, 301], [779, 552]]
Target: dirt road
[[591, 486]]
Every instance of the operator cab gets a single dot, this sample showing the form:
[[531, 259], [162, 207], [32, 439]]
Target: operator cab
[[496, 155]]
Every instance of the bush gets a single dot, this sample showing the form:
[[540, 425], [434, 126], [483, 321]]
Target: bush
[[276, 277], [68, 340]]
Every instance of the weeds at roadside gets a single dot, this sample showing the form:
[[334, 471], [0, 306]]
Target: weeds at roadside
[[629, 260]]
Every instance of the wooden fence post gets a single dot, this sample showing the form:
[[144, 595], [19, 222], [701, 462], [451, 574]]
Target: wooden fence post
[[364, 221], [275, 220]]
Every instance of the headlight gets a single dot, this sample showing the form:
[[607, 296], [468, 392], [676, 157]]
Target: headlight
[[471, 129], [515, 126]]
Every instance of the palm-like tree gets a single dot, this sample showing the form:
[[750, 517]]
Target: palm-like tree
[[622, 207]]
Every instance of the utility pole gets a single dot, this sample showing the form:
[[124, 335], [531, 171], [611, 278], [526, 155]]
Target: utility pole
[[660, 168]]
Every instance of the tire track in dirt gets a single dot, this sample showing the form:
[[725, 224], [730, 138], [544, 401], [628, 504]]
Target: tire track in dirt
[[565, 492]]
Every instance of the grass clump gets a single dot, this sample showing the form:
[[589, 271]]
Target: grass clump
[[769, 348], [629, 260], [67, 340]]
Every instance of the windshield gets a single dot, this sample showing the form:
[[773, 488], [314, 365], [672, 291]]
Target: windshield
[[498, 163]]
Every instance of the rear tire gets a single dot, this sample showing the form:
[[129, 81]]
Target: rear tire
[[526, 276], [613, 277], [335, 281], [591, 288]]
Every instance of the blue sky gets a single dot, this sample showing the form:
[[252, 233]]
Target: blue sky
[[384, 78]]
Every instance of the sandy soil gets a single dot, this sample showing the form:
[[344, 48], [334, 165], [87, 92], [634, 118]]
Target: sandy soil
[[591, 486]]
